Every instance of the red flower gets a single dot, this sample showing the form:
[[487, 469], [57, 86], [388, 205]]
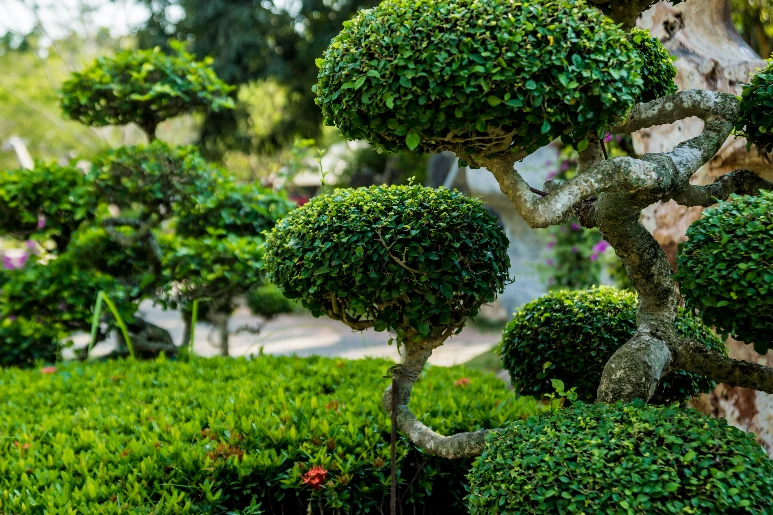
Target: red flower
[[315, 477], [462, 382], [48, 370]]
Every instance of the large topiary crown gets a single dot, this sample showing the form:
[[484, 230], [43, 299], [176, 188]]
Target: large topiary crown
[[571, 335], [477, 77], [725, 269], [621, 459], [407, 258]]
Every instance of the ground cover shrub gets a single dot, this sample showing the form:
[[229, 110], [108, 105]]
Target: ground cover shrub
[[621, 459], [156, 437], [570, 335]]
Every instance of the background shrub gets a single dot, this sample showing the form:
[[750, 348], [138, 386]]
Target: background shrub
[[570, 335], [725, 269], [50, 201], [25, 342], [658, 70], [621, 459], [143, 87], [755, 122], [108, 438], [413, 74], [267, 301], [152, 178], [405, 257]]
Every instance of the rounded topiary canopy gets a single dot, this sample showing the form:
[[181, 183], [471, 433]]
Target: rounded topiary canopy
[[477, 76], [144, 87], [154, 176], [621, 459], [409, 258], [755, 120], [570, 335], [658, 70], [725, 269]]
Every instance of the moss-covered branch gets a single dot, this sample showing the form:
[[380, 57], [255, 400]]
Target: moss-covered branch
[[741, 182]]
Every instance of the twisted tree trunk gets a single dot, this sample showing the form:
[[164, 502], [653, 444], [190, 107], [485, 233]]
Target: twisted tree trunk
[[712, 56]]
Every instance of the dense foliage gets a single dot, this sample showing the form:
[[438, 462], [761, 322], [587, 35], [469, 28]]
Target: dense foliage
[[621, 459], [407, 258], [227, 207], [267, 301], [128, 437], [570, 335], [476, 76], [755, 120], [144, 87], [658, 70], [725, 269], [23, 342], [152, 178], [49, 200]]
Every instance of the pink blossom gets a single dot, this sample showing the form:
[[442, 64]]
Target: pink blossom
[[565, 166], [12, 318], [550, 262], [575, 250], [48, 370], [608, 138], [575, 226], [594, 257], [551, 244], [548, 163], [551, 175], [15, 263], [600, 247], [41, 221]]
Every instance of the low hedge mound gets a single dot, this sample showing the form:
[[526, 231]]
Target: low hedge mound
[[570, 335], [621, 459], [231, 436]]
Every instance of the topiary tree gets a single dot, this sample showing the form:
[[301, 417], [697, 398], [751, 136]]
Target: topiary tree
[[408, 259], [492, 81], [570, 336], [144, 87]]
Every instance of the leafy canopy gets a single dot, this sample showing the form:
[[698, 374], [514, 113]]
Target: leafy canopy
[[658, 70], [755, 120], [571, 335], [407, 258], [153, 178], [725, 269], [620, 459], [477, 76], [143, 87]]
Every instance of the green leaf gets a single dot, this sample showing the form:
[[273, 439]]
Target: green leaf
[[412, 140]]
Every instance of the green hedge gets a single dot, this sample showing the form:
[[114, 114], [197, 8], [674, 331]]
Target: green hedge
[[621, 460], [211, 435]]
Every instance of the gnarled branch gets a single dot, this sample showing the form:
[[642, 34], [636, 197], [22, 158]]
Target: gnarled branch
[[694, 357], [741, 182]]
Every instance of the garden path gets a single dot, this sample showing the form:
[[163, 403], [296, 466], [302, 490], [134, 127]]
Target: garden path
[[303, 335]]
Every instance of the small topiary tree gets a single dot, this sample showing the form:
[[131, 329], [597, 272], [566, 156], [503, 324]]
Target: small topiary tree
[[404, 258], [155, 187], [570, 336], [491, 81], [144, 87]]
